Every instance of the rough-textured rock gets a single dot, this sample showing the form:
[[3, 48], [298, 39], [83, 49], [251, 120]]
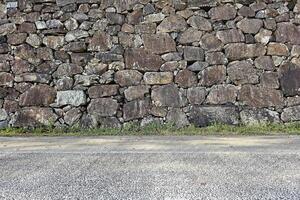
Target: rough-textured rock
[[289, 80], [287, 32], [103, 107], [72, 117], [222, 94], [250, 25], [99, 91], [34, 116], [260, 97], [186, 78], [291, 114], [6, 79], [196, 95], [241, 51], [212, 75], [158, 78], [199, 23], [264, 62], [135, 59], [193, 53], [173, 23], [230, 36], [135, 109], [259, 116], [223, 12], [136, 92], [38, 95], [241, 72], [71, 97], [100, 42], [167, 95], [177, 117], [128, 77], [159, 43], [269, 80], [277, 49], [207, 115]]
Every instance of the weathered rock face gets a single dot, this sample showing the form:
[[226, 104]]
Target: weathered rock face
[[290, 81], [259, 116], [260, 96], [104, 63], [166, 96], [71, 97], [103, 107], [39, 95], [35, 116], [204, 116]]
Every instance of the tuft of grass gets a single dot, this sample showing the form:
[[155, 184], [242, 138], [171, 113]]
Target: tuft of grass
[[157, 129]]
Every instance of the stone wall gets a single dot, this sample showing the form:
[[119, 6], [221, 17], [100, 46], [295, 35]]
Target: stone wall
[[103, 63]]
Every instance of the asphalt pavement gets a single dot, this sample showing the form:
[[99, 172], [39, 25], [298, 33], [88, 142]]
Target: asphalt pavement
[[150, 168]]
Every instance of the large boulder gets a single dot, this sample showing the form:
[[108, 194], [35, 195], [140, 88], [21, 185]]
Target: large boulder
[[287, 32], [128, 77], [135, 59], [207, 115], [259, 116], [34, 117], [38, 95], [241, 72], [103, 107], [291, 114], [135, 109], [260, 97], [289, 80], [167, 95], [159, 43]]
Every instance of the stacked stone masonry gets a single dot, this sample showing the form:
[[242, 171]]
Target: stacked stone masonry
[[105, 63]]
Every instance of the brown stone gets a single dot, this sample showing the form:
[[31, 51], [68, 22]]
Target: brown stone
[[241, 72], [159, 43], [128, 77], [173, 23], [251, 26], [167, 95], [287, 32], [223, 12], [213, 75], [186, 78], [240, 51], [16, 38], [103, 107], [100, 42], [6, 79], [99, 91], [289, 79], [135, 109], [136, 92], [277, 49], [222, 94], [269, 80], [260, 97], [135, 59], [209, 42], [196, 95], [34, 116], [264, 62], [231, 36], [38, 95]]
